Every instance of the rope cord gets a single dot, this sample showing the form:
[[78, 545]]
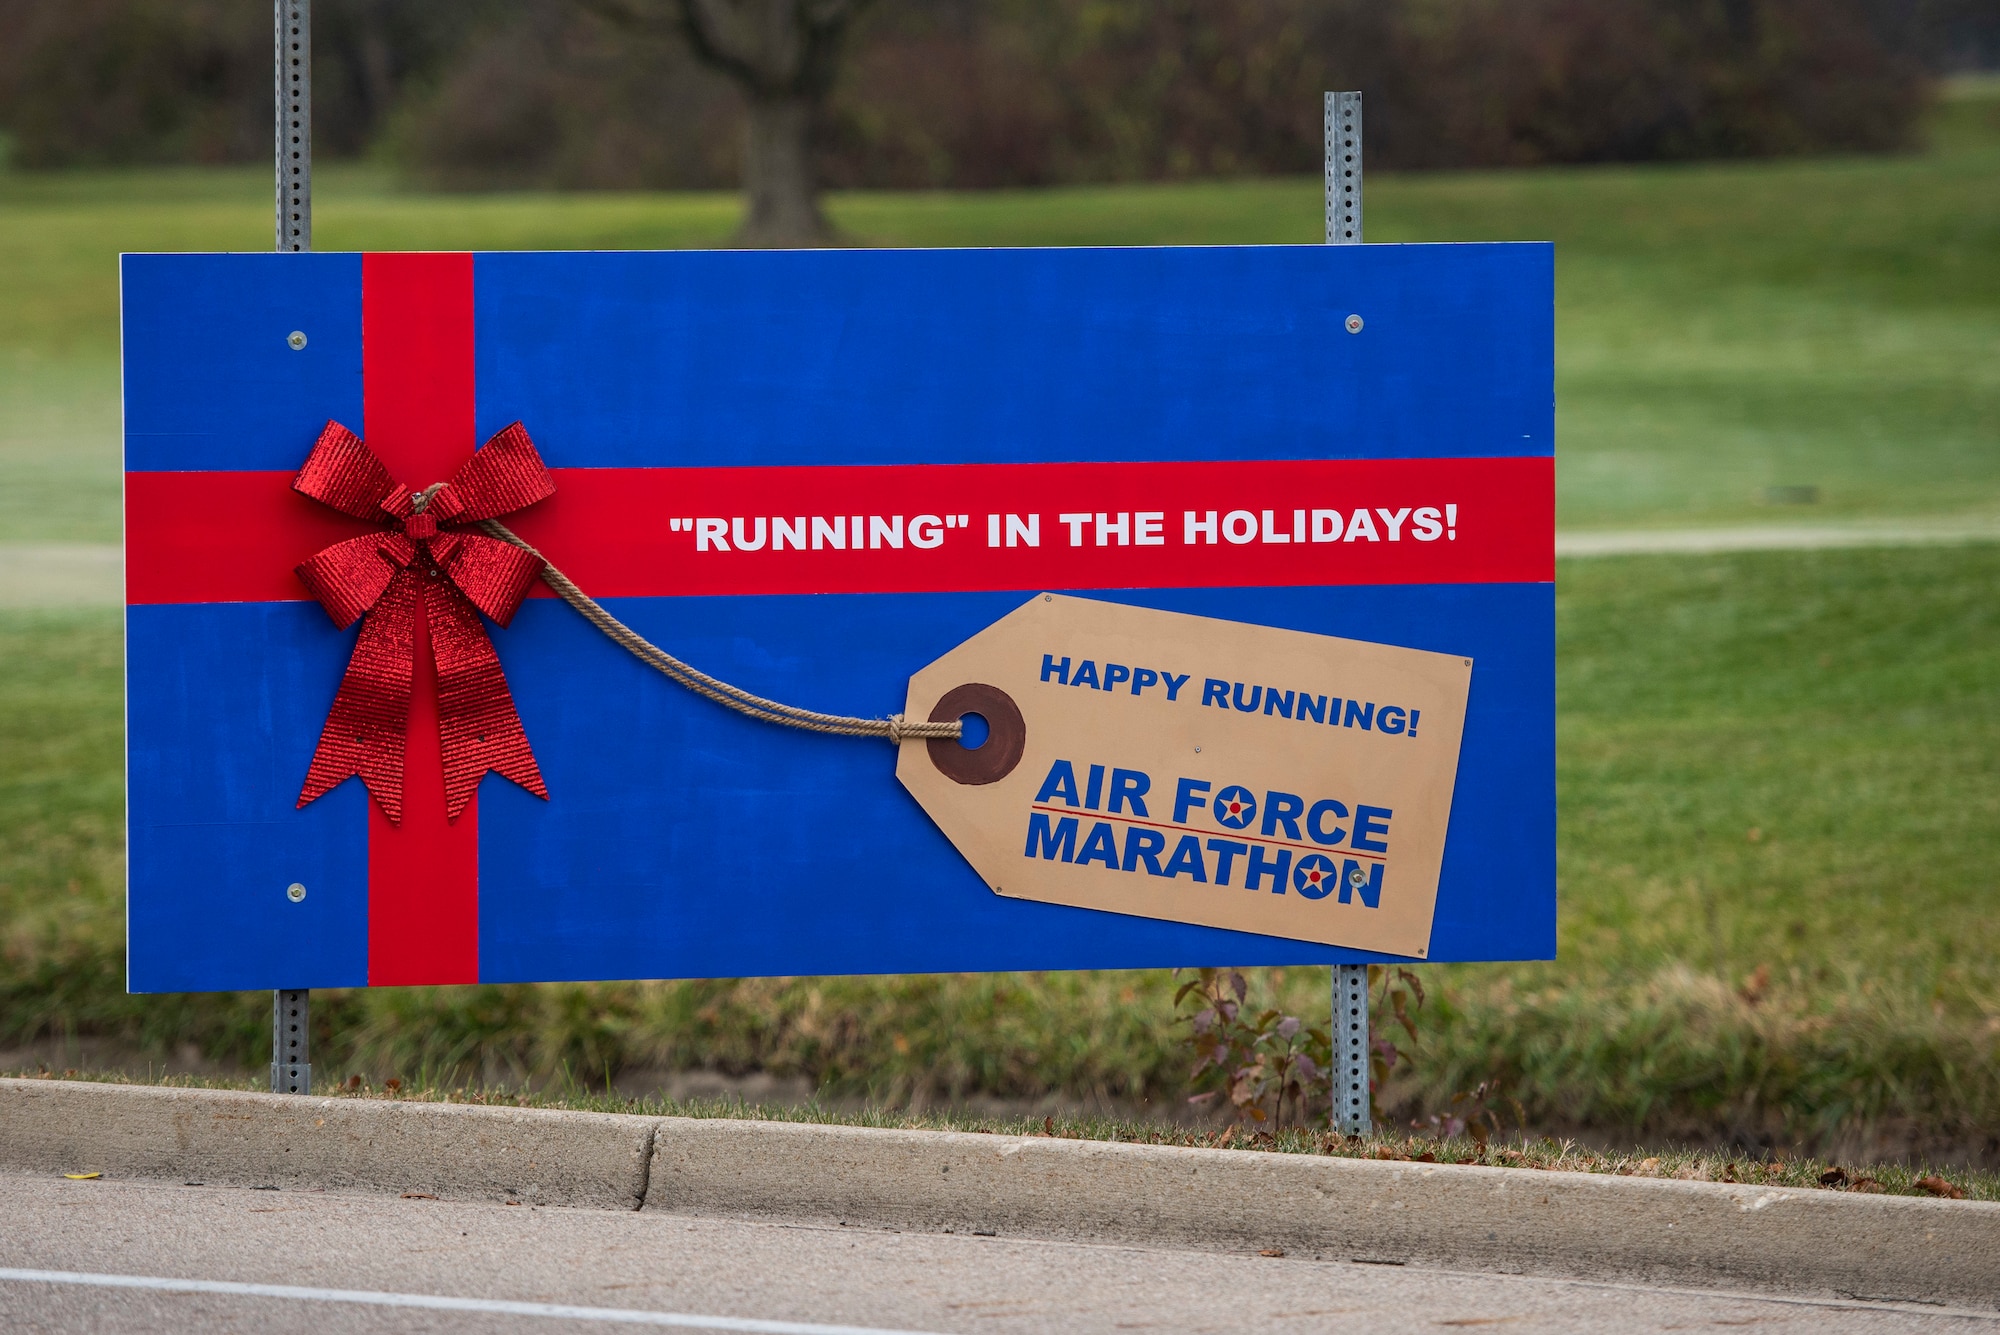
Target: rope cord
[[894, 728]]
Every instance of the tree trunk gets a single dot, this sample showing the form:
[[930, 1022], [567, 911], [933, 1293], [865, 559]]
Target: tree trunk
[[778, 178], [783, 55]]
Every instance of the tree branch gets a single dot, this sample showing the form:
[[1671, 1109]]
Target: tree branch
[[775, 48]]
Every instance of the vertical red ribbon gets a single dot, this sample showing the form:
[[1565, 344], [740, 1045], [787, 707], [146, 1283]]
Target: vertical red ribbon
[[420, 414]]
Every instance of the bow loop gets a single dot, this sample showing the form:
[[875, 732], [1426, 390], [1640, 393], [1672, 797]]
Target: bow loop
[[396, 549], [350, 577], [400, 503], [443, 545], [444, 504], [495, 576], [343, 473], [505, 475], [378, 577]]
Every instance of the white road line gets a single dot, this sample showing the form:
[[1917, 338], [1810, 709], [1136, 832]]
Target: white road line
[[439, 1303]]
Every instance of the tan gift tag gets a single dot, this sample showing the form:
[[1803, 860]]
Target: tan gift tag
[[1198, 770]]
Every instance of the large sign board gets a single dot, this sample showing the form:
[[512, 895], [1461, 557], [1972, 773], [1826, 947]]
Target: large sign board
[[816, 475]]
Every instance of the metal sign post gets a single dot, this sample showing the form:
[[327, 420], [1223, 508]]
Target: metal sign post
[[1343, 169], [293, 32], [291, 1008], [291, 1015], [1350, 981]]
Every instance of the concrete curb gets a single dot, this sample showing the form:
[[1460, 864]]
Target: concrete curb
[[1572, 1225], [595, 1160], [1515, 1221]]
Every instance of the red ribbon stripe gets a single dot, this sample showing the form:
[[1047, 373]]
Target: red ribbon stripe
[[614, 530], [419, 413]]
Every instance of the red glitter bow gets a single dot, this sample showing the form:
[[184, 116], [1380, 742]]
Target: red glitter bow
[[416, 566]]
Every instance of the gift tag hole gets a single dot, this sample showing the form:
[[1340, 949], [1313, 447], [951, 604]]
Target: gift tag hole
[[977, 730], [995, 734]]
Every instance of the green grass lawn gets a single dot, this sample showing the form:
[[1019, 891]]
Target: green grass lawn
[[1720, 328], [1779, 778]]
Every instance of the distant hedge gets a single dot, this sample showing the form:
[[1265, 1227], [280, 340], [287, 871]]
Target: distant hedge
[[1072, 90], [984, 92]]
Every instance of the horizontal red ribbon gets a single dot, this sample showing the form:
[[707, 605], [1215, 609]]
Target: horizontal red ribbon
[[612, 530]]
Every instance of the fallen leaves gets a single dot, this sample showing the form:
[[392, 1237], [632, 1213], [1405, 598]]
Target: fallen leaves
[[1937, 1186], [418, 1196], [82, 1177], [1272, 1251], [1837, 1178]]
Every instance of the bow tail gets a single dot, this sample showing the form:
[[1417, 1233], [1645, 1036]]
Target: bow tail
[[478, 727], [365, 729]]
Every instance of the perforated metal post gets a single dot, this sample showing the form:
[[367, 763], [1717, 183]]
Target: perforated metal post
[[293, 24], [1350, 1049], [1350, 981], [291, 1008], [291, 1041], [1343, 169]]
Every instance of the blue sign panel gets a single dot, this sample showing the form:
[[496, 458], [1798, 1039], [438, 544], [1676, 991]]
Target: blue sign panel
[[809, 474]]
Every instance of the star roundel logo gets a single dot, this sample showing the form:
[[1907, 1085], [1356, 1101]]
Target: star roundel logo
[[1315, 876], [1235, 807]]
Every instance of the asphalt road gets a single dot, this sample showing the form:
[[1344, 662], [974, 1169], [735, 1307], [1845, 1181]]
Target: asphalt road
[[123, 1256]]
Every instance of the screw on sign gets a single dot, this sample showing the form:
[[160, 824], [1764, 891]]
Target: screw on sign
[[1309, 571]]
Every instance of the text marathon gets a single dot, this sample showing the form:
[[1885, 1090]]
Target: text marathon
[[1266, 835]]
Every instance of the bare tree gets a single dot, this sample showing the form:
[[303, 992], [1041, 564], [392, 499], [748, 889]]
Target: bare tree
[[782, 55]]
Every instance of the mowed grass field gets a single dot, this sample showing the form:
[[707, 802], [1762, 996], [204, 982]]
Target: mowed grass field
[[1779, 776], [1721, 329], [1780, 798]]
